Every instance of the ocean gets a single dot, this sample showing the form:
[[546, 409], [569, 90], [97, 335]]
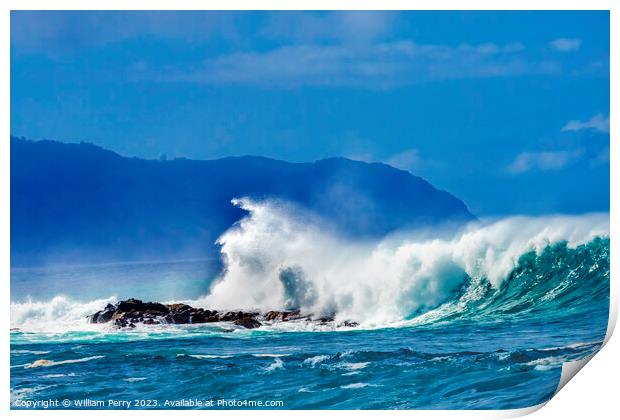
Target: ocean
[[481, 320]]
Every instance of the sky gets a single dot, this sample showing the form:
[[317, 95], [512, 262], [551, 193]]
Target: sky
[[509, 111]]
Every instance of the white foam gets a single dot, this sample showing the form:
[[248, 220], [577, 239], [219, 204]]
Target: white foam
[[28, 352], [270, 355], [277, 364], [357, 385], [26, 393], [275, 257], [48, 363], [57, 375], [57, 315], [352, 373], [209, 356], [316, 359], [352, 366]]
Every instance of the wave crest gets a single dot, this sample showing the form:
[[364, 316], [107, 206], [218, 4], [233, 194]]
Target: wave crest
[[279, 258], [275, 259]]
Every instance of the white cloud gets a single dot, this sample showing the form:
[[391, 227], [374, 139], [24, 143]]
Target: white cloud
[[565, 44], [379, 65], [598, 123], [407, 160], [354, 26], [543, 161]]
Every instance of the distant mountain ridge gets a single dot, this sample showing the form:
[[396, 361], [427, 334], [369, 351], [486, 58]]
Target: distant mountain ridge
[[81, 203]]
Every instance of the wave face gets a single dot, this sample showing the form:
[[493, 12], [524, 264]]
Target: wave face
[[275, 259]]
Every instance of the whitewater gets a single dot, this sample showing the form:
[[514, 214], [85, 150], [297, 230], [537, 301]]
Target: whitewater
[[481, 316], [275, 260]]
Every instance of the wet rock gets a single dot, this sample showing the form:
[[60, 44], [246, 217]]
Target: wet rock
[[137, 306], [104, 315], [325, 319], [123, 323], [181, 317], [128, 313], [178, 307], [118, 316], [248, 323], [232, 316], [283, 315]]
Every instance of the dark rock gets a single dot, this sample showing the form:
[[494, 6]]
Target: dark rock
[[120, 322], [185, 314], [248, 323], [182, 317], [231, 316], [137, 308], [103, 316], [150, 307], [283, 315], [128, 313], [325, 319], [198, 317], [118, 316], [128, 305], [179, 307]]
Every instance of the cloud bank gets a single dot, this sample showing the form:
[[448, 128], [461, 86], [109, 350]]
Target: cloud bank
[[287, 49], [381, 65]]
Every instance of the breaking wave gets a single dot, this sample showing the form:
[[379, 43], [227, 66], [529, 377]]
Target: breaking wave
[[278, 258], [57, 315]]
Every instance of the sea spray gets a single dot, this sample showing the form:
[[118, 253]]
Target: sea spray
[[275, 259], [57, 315], [274, 251]]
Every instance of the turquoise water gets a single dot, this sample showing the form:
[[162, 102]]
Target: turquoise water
[[485, 347]]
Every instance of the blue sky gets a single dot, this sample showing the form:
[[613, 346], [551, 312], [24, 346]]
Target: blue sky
[[507, 110]]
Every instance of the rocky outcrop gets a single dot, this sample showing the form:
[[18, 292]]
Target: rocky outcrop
[[128, 313], [247, 323], [284, 316]]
